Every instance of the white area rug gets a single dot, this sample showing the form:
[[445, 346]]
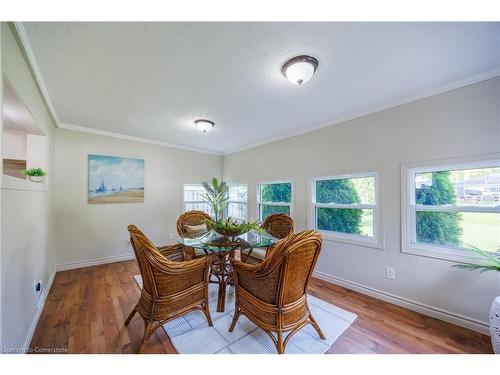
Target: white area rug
[[191, 334]]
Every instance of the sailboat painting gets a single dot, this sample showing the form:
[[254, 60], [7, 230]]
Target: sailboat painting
[[115, 180]]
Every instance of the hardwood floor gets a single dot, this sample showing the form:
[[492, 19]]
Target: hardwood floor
[[86, 308]]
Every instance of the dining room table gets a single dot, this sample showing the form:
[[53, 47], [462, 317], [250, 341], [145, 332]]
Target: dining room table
[[223, 250]]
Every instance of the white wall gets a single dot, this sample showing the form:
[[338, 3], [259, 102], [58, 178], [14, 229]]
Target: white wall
[[27, 251], [89, 232], [37, 152], [461, 122], [14, 144]]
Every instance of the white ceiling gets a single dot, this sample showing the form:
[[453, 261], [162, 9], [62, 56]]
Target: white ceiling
[[152, 80]]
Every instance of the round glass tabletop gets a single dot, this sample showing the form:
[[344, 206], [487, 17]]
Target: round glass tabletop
[[213, 241]]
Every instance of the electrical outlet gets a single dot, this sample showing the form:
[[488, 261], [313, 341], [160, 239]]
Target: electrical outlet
[[37, 287], [127, 242], [390, 273]]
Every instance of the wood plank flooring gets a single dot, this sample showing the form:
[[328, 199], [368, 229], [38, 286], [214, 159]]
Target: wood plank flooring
[[86, 308]]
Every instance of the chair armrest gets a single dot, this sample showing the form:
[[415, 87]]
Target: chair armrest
[[172, 252]]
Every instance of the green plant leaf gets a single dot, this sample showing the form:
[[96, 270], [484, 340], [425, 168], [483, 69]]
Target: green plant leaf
[[34, 172], [474, 267], [492, 261], [484, 254], [216, 196]]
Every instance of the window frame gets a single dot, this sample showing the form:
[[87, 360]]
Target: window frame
[[375, 242], [230, 184], [409, 208], [282, 204], [183, 202]]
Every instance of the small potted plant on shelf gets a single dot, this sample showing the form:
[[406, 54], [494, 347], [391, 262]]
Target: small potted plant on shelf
[[216, 196], [491, 263], [35, 174]]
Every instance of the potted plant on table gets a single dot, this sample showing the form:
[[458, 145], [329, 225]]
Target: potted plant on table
[[231, 227], [216, 195], [35, 174], [491, 263]]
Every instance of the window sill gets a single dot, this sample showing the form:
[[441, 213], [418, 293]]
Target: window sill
[[442, 253], [13, 183], [353, 240]]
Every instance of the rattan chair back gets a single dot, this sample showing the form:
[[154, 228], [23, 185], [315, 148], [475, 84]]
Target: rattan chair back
[[193, 217], [279, 225]]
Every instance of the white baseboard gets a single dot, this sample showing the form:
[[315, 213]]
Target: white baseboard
[[434, 312], [40, 305], [94, 262]]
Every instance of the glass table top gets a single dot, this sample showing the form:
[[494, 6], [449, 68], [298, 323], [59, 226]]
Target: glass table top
[[214, 241]]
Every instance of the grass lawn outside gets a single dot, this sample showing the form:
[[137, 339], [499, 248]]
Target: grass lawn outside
[[481, 230], [367, 223]]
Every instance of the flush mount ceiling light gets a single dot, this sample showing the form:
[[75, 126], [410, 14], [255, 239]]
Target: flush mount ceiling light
[[204, 125], [299, 69]]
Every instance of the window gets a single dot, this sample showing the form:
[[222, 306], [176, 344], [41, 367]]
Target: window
[[345, 207], [237, 204], [452, 207], [193, 200], [274, 198]]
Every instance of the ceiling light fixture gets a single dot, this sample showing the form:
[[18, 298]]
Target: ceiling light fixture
[[299, 69], [204, 125]]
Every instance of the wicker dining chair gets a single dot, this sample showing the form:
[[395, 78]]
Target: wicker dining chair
[[191, 218], [170, 288], [272, 294], [278, 226]]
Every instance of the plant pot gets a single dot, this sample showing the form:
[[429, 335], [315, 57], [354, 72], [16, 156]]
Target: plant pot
[[495, 325], [37, 179], [227, 233]]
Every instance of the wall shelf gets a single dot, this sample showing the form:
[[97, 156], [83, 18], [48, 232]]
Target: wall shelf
[[13, 183]]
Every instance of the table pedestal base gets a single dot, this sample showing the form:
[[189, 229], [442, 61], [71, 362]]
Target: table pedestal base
[[222, 270]]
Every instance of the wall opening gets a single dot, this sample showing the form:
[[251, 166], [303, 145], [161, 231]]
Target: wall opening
[[24, 145]]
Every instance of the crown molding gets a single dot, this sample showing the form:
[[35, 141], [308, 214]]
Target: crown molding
[[132, 138], [28, 51], [476, 78]]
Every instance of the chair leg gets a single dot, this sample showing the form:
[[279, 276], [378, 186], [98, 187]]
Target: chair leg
[[131, 315], [316, 326], [206, 311], [148, 330], [279, 343], [237, 314]]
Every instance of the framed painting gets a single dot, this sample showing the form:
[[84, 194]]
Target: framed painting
[[115, 180]]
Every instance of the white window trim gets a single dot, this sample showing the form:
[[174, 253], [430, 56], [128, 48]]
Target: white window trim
[[183, 202], [375, 242], [240, 202], [408, 236], [284, 204]]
